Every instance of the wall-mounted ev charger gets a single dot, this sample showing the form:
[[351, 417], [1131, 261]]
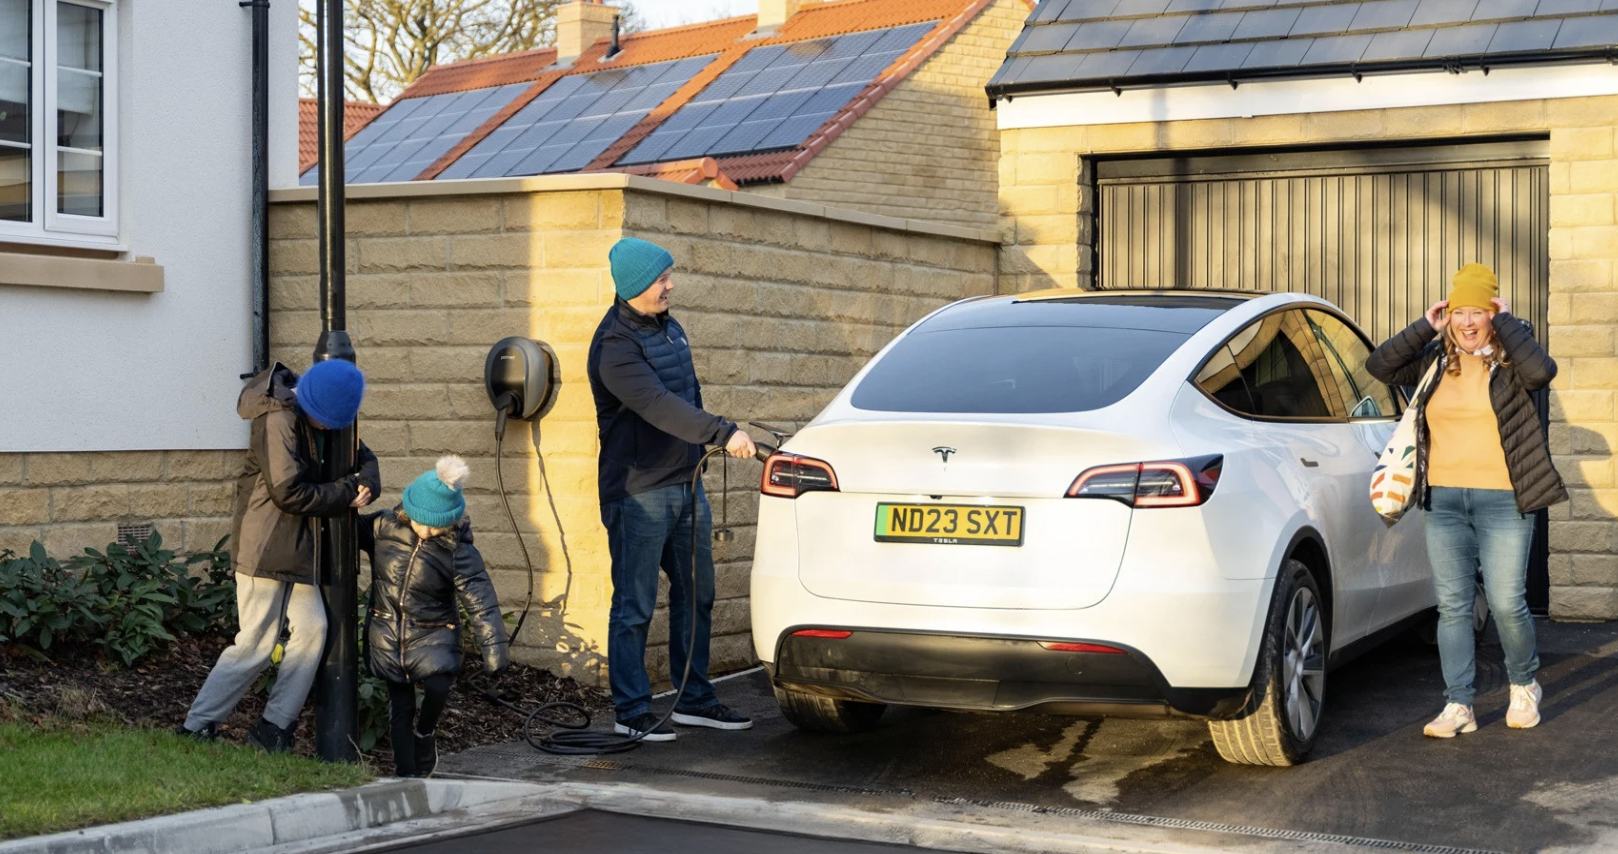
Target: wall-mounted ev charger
[[520, 377]]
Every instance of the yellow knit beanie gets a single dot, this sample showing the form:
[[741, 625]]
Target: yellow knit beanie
[[1474, 286]]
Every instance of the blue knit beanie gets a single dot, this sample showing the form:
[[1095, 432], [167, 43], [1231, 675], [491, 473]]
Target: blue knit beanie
[[330, 392], [636, 264], [435, 498]]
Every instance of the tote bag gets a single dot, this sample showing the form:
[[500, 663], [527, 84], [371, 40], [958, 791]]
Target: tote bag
[[1393, 483]]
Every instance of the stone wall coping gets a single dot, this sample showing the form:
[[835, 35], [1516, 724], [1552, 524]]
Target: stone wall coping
[[637, 183]]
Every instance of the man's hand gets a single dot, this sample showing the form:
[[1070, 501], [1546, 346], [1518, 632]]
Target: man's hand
[[1438, 315], [365, 497], [740, 445]]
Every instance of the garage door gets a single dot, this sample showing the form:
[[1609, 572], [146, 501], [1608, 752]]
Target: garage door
[[1379, 232]]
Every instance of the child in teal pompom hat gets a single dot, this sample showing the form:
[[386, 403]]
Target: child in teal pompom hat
[[424, 571]]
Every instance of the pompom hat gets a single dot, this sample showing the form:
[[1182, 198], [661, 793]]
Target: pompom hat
[[435, 498], [330, 392]]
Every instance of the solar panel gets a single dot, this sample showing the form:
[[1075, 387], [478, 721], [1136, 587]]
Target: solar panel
[[774, 97], [412, 134], [574, 120]]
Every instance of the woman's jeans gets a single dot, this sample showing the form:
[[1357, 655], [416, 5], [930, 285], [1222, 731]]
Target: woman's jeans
[[1469, 529], [647, 532]]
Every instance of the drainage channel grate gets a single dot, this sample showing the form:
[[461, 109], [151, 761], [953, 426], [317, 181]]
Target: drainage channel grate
[[1217, 827]]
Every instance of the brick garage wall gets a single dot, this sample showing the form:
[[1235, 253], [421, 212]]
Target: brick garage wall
[[783, 302], [1047, 205], [930, 148], [73, 501]]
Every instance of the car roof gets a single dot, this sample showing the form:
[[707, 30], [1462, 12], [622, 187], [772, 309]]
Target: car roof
[[1181, 312]]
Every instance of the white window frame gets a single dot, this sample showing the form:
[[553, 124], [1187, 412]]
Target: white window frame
[[49, 227]]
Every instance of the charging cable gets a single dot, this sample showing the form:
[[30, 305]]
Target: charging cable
[[571, 735]]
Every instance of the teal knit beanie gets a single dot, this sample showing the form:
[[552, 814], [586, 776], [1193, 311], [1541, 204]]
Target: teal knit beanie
[[435, 498], [636, 264]]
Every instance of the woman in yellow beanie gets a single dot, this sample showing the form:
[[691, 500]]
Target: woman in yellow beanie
[[1482, 468]]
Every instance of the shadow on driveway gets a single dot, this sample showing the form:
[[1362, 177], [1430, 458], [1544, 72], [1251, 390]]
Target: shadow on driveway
[[1372, 775]]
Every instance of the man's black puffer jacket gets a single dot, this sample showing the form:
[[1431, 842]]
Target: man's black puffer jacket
[[413, 629], [1404, 359]]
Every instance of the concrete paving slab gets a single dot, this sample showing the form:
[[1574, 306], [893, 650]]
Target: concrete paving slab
[[1373, 781]]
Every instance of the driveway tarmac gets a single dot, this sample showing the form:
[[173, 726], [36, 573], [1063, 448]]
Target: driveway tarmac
[[1373, 777]]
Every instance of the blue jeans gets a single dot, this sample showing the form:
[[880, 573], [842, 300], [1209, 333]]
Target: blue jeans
[[646, 532], [1469, 529]]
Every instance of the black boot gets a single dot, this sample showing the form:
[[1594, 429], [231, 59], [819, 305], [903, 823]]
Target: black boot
[[426, 754], [209, 732], [270, 738]]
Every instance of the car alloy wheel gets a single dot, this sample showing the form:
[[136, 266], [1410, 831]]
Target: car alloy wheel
[[1304, 668]]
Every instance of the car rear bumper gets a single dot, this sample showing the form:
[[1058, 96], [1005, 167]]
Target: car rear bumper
[[988, 674]]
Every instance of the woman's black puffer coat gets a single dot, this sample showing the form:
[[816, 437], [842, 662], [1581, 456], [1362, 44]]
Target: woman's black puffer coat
[[1404, 359], [413, 630]]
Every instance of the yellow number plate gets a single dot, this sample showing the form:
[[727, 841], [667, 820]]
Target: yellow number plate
[[949, 524]]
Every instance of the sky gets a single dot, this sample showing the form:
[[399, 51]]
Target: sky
[[673, 13]]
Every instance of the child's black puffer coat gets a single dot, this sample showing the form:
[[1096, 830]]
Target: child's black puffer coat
[[413, 629]]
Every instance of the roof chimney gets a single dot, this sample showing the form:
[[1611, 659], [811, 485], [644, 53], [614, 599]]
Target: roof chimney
[[579, 25], [773, 13]]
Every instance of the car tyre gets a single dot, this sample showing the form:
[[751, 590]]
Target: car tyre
[[1282, 719], [823, 714]]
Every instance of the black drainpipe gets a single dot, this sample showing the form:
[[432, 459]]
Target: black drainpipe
[[261, 183]]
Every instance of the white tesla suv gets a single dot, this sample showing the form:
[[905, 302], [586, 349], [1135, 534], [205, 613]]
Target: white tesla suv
[[1120, 503]]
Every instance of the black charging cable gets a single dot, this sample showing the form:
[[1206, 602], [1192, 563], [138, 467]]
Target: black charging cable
[[571, 734]]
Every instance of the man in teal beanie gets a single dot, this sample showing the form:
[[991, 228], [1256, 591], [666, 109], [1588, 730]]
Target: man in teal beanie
[[652, 429]]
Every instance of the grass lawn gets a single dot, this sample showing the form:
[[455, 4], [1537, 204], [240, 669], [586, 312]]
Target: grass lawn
[[66, 776]]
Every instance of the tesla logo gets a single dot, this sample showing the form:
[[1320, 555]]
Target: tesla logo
[[944, 452]]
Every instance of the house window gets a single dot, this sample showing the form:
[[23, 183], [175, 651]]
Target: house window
[[58, 166]]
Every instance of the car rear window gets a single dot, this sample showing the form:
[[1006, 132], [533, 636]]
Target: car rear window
[[1013, 369]]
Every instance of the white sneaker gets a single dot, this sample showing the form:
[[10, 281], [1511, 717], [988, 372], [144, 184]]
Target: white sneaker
[[1524, 711], [1455, 718]]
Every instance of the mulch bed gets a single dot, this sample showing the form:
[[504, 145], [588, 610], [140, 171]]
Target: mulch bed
[[79, 684]]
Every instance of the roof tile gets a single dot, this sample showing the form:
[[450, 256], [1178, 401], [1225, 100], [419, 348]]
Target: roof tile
[[1337, 49], [1209, 28], [1519, 36], [1110, 63], [1099, 34], [1493, 10], [1407, 44], [1383, 15], [1588, 32], [1153, 31], [1566, 7], [1324, 20], [1266, 24], [1469, 40], [1280, 54], [1169, 60], [1046, 39], [1443, 12], [1217, 57]]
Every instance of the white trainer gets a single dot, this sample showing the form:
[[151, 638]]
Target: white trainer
[[1455, 718], [1524, 711]]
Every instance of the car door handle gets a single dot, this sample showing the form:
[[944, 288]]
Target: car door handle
[[1308, 464]]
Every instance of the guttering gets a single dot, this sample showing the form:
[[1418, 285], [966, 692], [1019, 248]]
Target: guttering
[[1425, 88], [1118, 84]]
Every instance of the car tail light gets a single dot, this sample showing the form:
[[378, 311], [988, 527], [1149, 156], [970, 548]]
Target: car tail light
[[1062, 646], [830, 634], [789, 476], [1175, 483]]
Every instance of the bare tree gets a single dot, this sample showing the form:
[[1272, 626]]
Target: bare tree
[[391, 43]]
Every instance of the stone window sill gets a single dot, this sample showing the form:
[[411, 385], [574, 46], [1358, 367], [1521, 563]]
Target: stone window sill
[[30, 269]]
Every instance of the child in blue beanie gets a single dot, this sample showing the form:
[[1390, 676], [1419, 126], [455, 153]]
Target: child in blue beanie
[[280, 494], [423, 565]]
